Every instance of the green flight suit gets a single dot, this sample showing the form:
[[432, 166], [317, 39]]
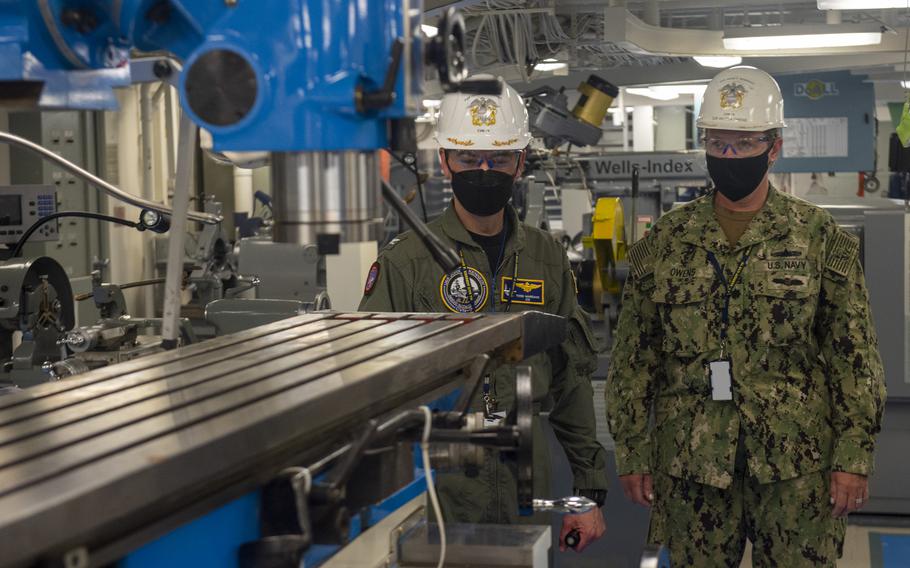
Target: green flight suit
[[405, 278], [807, 378]]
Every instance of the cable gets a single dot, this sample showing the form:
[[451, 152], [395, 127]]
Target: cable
[[431, 483], [110, 189], [17, 250], [413, 169]]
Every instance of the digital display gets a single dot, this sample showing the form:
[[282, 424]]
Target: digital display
[[10, 210]]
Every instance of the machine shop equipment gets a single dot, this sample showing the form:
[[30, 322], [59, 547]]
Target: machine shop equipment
[[128, 451], [265, 429], [36, 306], [550, 118], [21, 207]]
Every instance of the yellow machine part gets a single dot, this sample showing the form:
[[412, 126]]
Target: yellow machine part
[[608, 241], [592, 107]]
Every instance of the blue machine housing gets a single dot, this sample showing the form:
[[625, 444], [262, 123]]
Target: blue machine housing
[[307, 59]]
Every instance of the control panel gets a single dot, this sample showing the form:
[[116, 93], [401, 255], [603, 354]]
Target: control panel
[[21, 206]]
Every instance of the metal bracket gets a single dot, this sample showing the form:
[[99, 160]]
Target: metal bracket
[[332, 518], [284, 523]]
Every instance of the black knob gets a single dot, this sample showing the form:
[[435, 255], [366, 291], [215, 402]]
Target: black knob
[[573, 538]]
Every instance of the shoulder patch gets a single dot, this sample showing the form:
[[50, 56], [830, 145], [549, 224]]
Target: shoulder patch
[[842, 252], [372, 278], [641, 256]]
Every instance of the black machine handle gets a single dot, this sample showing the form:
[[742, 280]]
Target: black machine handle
[[442, 254]]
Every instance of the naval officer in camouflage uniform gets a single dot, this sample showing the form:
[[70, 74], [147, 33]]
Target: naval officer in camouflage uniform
[[746, 386], [505, 266]]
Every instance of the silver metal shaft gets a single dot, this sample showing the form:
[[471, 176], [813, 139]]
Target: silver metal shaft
[[110, 189], [170, 324], [326, 193]]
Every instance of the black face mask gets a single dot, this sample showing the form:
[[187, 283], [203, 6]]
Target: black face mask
[[736, 178], [483, 192]]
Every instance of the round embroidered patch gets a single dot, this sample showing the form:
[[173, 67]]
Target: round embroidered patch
[[372, 278], [461, 296]]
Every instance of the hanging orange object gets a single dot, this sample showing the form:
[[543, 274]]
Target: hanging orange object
[[385, 165]]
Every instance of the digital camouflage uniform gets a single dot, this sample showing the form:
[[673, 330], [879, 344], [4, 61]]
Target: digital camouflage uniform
[[409, 280], [808, 388]]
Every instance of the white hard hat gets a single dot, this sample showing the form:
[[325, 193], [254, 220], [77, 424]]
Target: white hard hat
[[483, 122], [742, 98]]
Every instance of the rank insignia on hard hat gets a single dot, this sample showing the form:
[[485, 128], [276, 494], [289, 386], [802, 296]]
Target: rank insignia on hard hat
[[483, 112], [372, 278], [524, 291], [732, 95], [464, 290]]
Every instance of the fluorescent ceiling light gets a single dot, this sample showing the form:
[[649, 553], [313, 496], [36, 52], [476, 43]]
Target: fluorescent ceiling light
[[550, 60], [719, 61], [653, 93], [905, 84], [770, 38], [429, 30], [860, 4], [550, 66]]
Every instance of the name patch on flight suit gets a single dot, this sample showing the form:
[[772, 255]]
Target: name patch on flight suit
[[524, 291], [464, 290]]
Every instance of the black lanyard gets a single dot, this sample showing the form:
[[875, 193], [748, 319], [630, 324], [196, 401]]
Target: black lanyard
[[514, 277], [728, 291]]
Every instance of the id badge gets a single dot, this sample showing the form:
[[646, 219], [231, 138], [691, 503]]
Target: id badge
[[494, 419], [721, 380]]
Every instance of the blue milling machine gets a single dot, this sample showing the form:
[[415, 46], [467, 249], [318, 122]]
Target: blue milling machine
[[283, 444]]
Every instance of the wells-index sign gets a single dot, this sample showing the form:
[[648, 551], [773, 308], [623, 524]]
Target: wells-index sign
[[651, 165]]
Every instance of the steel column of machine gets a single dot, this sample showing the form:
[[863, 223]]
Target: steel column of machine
[[170, 325], [326, 193]]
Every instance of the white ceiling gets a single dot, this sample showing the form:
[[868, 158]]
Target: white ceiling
[[606, 37]]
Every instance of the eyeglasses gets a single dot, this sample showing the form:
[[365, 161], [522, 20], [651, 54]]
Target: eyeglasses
[[506, 160], [744, 147]]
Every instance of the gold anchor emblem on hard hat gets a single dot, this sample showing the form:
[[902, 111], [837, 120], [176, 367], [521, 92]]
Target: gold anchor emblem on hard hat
[[732, 95], [483, 112]]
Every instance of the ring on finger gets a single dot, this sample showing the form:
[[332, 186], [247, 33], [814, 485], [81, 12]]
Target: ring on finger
[[858, 501]]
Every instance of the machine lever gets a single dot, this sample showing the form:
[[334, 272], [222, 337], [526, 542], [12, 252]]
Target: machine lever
[[572, 505], [443, 255], [373, 100], [472, 383]]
